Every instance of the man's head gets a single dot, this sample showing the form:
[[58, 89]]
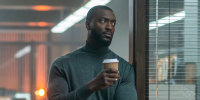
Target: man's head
[[100, 23]]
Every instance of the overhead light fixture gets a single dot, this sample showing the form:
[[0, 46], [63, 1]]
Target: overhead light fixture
[[166, 20], [29, 24], [77, 16], [42, 24], [23, 52], [42, 8], [40, 92], [39, 24], [24, 96]]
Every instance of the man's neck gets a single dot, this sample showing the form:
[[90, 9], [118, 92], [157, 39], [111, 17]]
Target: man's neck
[[94, 43]]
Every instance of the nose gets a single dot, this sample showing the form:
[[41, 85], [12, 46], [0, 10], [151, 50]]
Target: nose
[[109, 26]]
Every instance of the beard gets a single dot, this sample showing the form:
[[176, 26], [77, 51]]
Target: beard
[[97, 37]]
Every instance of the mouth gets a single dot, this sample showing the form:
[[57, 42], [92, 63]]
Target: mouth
[[108, 35]]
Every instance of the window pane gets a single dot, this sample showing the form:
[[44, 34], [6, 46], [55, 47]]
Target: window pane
[[174, 50]]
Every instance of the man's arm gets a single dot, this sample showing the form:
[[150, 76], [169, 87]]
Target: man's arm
[[58, 87], [126, 89]]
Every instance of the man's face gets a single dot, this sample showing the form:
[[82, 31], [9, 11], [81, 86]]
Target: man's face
[[102, 26]]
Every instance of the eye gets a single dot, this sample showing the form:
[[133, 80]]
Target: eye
[[113, 23], [102, 20]]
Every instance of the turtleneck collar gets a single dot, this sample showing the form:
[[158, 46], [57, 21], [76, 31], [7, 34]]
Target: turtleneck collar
[[94, 49]]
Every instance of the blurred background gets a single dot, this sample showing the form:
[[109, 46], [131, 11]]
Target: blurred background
[[34, 33], [28, 46]]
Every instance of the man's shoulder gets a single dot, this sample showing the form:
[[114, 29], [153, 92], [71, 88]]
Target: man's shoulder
[[68, 56]]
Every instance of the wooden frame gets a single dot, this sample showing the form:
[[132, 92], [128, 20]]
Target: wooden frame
[[137, 49]]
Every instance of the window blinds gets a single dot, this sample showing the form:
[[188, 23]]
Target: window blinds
[[174, 50]]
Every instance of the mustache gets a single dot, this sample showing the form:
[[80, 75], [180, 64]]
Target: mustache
[[107, 32]]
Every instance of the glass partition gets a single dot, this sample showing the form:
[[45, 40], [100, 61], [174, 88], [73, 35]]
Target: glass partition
[[174, 50]]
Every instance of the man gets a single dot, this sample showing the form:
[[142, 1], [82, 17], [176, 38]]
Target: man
[[80, 75]]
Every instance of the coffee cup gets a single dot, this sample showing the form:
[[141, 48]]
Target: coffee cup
[[111, 64]]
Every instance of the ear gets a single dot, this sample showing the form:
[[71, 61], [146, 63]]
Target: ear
[[87, 24]]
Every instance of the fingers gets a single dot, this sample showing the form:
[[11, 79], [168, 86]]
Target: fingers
[[109, 81], [111, 71], [104, 79], [110, 78], [112, 75]]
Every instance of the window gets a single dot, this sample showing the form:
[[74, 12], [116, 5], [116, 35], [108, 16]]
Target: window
[[173, 50]]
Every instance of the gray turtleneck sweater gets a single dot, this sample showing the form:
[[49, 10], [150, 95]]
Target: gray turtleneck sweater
[[69, 75]]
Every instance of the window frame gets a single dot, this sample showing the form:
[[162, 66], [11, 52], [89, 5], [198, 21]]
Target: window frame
[[137, 45]]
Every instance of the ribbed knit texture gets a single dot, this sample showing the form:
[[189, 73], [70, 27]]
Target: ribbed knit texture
[[69, 75]]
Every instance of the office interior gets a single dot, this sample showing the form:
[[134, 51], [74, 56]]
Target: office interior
[[160, 38]]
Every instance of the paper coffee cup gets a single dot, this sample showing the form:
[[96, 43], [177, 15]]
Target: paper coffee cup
[[111, 64]]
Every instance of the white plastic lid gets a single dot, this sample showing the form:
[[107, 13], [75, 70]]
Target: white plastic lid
[[110, 60]]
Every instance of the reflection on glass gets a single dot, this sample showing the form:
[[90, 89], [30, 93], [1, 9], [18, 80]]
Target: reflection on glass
[[174, 48]]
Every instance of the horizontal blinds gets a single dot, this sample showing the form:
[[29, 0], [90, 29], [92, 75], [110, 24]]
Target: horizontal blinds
[[174, 50]]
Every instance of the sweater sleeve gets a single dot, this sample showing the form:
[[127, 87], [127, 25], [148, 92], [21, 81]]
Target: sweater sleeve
[[58, 88], [126, 89]]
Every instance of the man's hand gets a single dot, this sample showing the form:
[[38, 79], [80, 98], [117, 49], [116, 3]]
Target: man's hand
[[104, 79]]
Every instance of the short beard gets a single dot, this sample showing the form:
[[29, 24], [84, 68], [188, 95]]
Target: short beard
[[98, 39]]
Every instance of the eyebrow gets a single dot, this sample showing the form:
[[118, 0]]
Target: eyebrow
[[107, 18]]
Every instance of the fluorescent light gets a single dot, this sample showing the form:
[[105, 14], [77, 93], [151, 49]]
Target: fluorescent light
[[23, 52], [65, 24], [77, 16], [93, 3], [25, 96], [81, 12], [166, 20]]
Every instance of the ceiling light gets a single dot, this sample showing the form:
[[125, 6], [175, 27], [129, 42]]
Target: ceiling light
[[23, 52], [40, 92], [32, 24], [81, 12], [77, 16], [24, 96], [166, 20], [42, 24], [42, 8], [39, 24]]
